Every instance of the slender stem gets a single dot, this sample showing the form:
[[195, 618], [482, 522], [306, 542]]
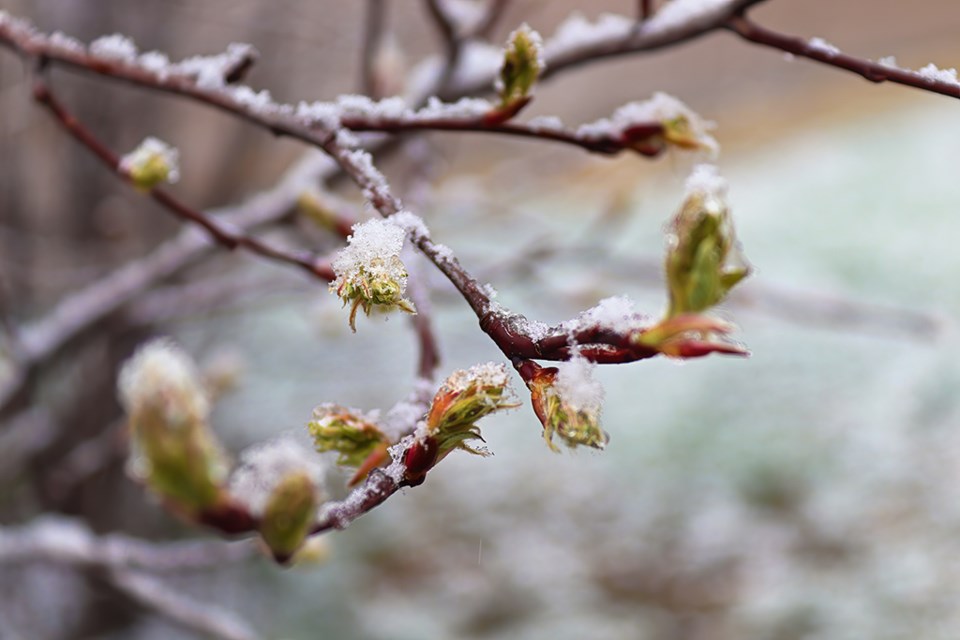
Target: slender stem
[[645, 9], [602, 144], [452, 41], [488, 22], [372, 46], [868, 69], [226, 235]]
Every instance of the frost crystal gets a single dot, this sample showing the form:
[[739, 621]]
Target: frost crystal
[[577, 387], [464, 108], [114, 47], [210, 71], [264, 465], [411, 224], [155, 62], [577, 32], [546, 123], [65, 42], [888, 61], [376, 183], [685, 13], [325, 114], [489, 374], [821, 45], [935, 74], [616, 313]]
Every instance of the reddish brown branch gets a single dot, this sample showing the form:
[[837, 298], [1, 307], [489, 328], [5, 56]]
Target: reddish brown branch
[[645, 9], [228, 236], [606, 145], [868, 69]]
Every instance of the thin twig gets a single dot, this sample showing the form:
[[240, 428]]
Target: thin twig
[[372, 47], [488, 21], [607, 144], [226, 235], [828, 55], [452, 39], [644, 9], [68, 541], [42, 339], [182, 609]]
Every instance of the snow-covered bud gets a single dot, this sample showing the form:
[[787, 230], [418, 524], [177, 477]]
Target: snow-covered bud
[[350, 433], [568, 401], [289, 512], [651, 126], [369, 271], [152, 163], [704, 261], [522, 64], [464, 398], [179, 456]]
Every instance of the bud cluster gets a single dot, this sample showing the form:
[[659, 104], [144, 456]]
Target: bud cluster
[[462, 400], [369, 271], [568, 402]]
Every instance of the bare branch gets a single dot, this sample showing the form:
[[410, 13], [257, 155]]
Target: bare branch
[[831, 56], [488, 21], [180, 608], [452, 39], [372, 45], [224, 234], [630, 140], [44, 338], [70, 542]]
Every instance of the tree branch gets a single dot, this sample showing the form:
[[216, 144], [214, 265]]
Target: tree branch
[[122, 560], [831, 56], [181, 609], [373, 31], [226, 235]]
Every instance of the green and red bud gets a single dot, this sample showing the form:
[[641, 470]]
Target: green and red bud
[[574, 421], [522, 65], [288, 515], [177, 454], [463, 399]]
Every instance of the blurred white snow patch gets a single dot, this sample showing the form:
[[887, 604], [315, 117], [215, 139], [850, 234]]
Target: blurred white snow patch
[[265, 464]]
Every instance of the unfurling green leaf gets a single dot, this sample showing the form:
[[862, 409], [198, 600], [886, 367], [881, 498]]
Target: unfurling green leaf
[[522, 65], [288, 515]]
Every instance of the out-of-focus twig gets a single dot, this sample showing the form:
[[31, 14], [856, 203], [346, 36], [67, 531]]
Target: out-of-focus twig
[[181, 609], [123, 561], [449, 31], [373, 31], [70, 542]]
